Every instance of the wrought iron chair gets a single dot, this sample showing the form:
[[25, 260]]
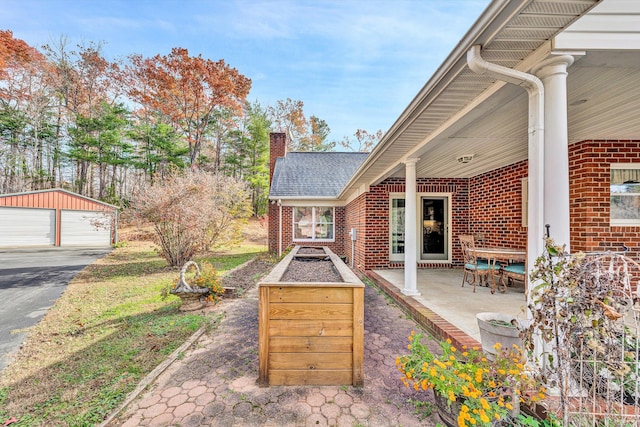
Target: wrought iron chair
[[474, 269]]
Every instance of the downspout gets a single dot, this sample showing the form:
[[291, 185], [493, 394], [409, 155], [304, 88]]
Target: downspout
[[280, 228], [535, 205]]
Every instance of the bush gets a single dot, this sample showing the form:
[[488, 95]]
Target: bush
[[191, 212]]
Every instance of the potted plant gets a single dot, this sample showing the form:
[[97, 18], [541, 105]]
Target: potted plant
[[469, 388], [205, 287], [498, 328]]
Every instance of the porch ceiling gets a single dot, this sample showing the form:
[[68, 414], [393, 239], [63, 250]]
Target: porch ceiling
[[603, 100], [459, 112]]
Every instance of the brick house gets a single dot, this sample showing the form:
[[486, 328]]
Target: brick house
[[532, 120]]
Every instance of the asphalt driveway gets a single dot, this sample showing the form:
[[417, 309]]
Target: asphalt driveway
[[30, 282]]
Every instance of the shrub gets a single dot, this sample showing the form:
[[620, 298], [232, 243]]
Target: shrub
[[191, 212]]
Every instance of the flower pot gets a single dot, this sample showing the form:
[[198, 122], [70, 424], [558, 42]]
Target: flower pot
[[192, 300], [498, 328], [447, 411]]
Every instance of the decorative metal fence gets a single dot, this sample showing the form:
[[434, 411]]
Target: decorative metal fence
[[599, 347]]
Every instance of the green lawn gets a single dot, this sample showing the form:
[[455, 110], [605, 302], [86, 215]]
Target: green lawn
[[108, 330]]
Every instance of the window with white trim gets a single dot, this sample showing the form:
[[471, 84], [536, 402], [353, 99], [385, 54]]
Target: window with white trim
[[625, 194], [313, 223]]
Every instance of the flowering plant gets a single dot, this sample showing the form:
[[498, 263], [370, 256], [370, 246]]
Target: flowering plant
[[205, 282], [208, 278], [486, 390]]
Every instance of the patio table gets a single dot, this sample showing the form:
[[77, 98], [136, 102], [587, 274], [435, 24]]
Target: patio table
[[495, 254]]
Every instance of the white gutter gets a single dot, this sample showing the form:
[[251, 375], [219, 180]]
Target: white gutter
[[535, 205]]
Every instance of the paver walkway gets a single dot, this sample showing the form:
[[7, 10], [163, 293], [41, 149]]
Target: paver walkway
[[214, 384]]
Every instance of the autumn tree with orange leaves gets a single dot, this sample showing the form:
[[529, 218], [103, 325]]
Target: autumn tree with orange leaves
[[187, 91]]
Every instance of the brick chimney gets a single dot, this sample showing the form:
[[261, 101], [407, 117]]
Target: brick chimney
[[277, 148]]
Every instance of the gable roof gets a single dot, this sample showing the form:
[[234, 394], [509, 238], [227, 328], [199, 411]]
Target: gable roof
[[313, 174]]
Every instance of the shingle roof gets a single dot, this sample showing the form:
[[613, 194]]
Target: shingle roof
[[313, 174]]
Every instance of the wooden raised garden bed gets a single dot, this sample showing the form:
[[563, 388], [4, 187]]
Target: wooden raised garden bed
[[311, 331]]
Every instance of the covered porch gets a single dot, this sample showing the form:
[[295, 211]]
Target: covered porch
[[444, 307]]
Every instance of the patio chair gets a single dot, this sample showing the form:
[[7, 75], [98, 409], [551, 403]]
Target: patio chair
[[474, 269], [514, 271]]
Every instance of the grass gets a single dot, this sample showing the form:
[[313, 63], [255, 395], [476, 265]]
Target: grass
[[107, 331]]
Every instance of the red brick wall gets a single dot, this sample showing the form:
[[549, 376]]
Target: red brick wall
[[495, 206], [589, 176], [277, 148], [489, 203], [376, 217], [355, 218], [273, 228]]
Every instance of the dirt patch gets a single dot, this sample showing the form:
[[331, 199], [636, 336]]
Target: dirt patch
[[311, 270], [246, 277], [310, 251]]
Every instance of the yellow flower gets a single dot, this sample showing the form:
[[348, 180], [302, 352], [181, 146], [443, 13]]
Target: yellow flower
[[484, 403], [509, 406], [497, 346], [453, 349]]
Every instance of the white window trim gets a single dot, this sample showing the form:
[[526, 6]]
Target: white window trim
[[394, 257], [313, 216], [616, 221], [419, 196]]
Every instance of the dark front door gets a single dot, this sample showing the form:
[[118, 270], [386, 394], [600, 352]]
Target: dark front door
[[435, 228]]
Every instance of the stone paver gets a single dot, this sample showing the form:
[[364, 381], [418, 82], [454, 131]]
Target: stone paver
[[215, 383]]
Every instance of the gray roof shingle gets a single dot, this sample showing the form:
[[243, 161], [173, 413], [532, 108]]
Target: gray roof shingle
[[313, 174]]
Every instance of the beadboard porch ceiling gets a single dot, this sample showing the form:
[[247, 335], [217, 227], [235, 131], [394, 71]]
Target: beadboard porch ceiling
[[460, 113]]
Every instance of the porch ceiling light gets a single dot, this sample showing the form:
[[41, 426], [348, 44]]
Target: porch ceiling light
[[465, 158]]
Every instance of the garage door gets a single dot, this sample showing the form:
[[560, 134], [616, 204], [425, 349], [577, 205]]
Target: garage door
[[27, 227], [86, 228]]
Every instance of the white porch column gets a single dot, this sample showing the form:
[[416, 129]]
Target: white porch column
[[410, 231], [553, 73]]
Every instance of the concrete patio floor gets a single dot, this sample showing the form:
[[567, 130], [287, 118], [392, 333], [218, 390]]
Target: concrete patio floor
[[441, 294]]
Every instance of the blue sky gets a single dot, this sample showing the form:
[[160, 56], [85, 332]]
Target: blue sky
[[354, 63]]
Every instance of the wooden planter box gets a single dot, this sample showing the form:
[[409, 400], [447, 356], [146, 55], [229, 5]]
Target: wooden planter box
[[311, 332]]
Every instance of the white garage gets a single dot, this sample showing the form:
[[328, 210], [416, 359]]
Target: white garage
[[27, 227], [56, 218], [85, 228]]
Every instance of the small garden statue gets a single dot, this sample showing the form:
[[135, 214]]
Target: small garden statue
[[206, 286]]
